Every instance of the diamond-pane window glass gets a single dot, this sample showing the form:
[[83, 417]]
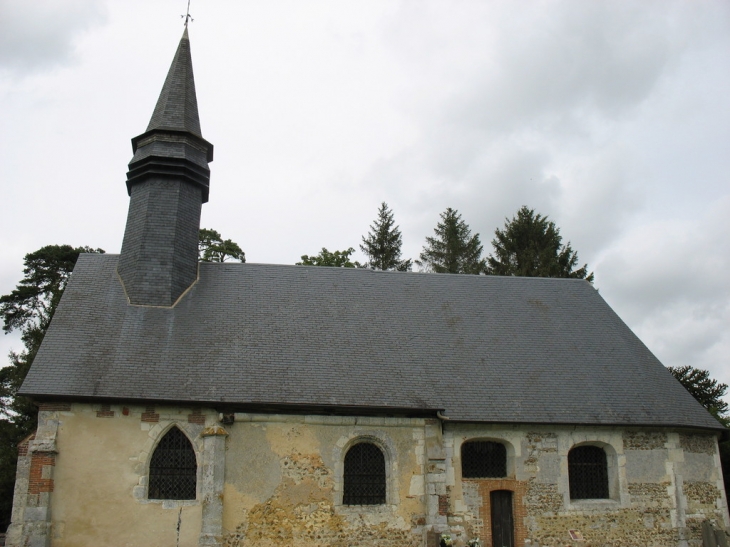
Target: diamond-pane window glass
[[364, 475], [588, 473], [483, 460], [173, 468]]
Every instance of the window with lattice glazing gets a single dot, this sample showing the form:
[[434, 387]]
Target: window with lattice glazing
[[173, 468], [364, 476], [483, 460], [588, 473]]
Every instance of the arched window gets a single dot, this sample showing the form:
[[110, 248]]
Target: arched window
[[364, 475], [483, 460], [588, 473], [173, 468]]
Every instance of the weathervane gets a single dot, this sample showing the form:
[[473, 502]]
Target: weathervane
[[187, 15]]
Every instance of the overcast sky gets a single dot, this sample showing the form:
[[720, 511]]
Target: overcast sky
[[612, 118]]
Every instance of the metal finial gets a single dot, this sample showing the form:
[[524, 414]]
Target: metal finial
[[187, 15]]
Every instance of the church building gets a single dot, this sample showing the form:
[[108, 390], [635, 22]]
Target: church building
[[218, 404]]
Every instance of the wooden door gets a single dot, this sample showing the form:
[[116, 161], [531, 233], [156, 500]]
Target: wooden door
[[502, 520]]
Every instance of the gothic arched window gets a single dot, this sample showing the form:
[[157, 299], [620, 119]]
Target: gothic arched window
[[588, 473], [483, 460], [173, 468], [364, 475]]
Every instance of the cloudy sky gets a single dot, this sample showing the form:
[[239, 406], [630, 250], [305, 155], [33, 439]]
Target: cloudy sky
[[612, 118]]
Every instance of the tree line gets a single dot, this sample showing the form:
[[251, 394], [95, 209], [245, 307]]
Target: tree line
[[528, 245]]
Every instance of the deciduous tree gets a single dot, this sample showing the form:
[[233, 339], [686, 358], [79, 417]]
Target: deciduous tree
[[453, 249], [531, 246], [213, 248], [383, 243], [337, 259]]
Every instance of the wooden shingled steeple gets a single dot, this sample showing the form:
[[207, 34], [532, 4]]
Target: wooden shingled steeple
[[168, 182]]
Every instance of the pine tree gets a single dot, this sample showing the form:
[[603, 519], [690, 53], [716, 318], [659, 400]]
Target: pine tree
[[703, 387], [383, 243], [454, 249], [531, 246], [29, 309]]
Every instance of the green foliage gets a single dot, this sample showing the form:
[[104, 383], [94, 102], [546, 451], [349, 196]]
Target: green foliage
[[28, 308], [704, 388], [454, 249], [213, 248], [383, 243], [338, 259], [531, 246], [9, 439]]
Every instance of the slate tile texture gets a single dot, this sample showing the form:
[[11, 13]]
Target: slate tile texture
[[482, 348]]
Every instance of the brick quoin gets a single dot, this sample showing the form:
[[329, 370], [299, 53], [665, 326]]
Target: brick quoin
[[519, 511], [24, 444], [196, 417], [149, 415], [55, 406], [105, 412], [443, 504], [36, 482]]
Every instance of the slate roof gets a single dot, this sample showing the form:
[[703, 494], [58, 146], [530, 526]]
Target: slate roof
[[177, 106], [482, 348]]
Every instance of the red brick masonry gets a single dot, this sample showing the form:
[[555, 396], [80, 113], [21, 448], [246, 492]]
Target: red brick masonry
[[37, 483]]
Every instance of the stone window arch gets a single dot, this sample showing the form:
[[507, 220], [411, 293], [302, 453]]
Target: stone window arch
[[173, 468], [481, 459], [588, 472], [364, 478]]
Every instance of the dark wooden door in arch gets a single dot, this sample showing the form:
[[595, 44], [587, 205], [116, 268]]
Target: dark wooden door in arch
[[503, 534]]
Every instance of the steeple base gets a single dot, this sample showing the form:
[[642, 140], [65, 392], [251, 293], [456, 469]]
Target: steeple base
[[159, 258]]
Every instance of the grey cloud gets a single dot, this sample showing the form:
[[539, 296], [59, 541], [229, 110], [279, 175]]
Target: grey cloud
[[668, 280], [40, 34], [522, 109], [664, 263], [541, 70]]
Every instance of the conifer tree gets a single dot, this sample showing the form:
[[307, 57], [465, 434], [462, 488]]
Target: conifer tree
[[708, 391], [531, 246], [383, 243], [28, 309], [454, 249]]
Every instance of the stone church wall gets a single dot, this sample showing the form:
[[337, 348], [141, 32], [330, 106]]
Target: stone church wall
[[662, 485], [277, 480], [284, 482], [97, 482]]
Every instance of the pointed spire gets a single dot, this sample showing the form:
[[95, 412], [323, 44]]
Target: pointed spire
[[167, 181], [177, 107]]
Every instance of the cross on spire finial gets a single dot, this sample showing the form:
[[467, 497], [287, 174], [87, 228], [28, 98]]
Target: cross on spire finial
[[187, 15]]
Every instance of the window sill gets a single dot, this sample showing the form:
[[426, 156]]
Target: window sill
[[588, 504], [171, 504], [371, 509]]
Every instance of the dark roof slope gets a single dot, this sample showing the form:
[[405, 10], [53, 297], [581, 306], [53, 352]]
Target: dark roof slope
[[495, 349]]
